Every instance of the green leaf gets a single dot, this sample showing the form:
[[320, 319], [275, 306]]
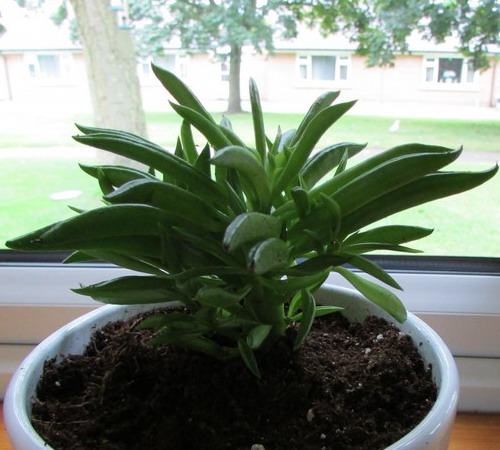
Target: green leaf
[[103, 223], [291, 285], [388, 301], [326, 160], [206, 127], [248, 357], [216, 297], [373, 269], [268, 255], [117, 175], [319, 311], [303, 148], [188, 145], [132, 290], [257, 335], [308, 306], [389, 177], [423, 190], [322, 102], [250, 227], [258, 120], [246, 164], [390, 234], [154, 156], [180, 91], [302, 202], [172, 199]]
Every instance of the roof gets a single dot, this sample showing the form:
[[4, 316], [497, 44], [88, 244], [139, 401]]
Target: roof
[[32, 32]]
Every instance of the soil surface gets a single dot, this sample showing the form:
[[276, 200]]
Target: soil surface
[[350, 386]]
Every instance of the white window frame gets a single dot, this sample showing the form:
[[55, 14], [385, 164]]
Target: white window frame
[[342, 60], [36, 299], [432, 62]]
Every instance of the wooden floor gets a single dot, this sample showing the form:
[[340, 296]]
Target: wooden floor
[[471, 432]]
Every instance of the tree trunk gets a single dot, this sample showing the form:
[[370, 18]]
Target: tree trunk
[[234, 103], [111, 67]]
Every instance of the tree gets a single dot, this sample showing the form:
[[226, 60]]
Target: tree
[[382, 27], [111, 65], [110, 60], [214, 25]]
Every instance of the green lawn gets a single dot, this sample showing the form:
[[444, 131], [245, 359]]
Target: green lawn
[[163, 128], [464, 225], [474, 136]]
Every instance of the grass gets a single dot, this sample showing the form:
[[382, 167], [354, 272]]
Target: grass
[[474, 136], [480, 136], [466, 225]]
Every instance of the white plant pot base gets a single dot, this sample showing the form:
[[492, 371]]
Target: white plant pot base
[[432, 433]]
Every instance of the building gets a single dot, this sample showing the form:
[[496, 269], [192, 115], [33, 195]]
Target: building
[[45, 65]]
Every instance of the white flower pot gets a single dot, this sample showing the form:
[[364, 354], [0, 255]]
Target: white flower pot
[[433, 433]]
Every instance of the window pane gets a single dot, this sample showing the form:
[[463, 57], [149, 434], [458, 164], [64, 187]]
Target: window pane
[[470, 72], [343, 72], [166, 61], [323, 67], [450, 70], [303, 72], [429, 74], [49, 66]]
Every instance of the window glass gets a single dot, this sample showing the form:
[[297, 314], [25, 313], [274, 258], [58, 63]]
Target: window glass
[[450, 70], [39, 169], [49, 66], [323, 67]]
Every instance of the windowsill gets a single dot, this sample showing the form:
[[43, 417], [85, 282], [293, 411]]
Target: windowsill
[[464, 309]]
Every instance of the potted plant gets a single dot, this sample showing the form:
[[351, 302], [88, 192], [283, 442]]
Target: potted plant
[[242, 239]]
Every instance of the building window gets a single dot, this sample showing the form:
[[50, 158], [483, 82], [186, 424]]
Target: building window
[[172, 62], [448, 70], [323, 67], [44, 66]]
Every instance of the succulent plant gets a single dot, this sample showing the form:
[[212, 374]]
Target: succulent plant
[[242, 235]]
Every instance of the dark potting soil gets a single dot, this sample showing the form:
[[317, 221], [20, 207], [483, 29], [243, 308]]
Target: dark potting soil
[[350, 386]]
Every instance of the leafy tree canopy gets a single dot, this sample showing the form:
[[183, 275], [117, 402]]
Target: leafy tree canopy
[[382, 27], [210, 24]]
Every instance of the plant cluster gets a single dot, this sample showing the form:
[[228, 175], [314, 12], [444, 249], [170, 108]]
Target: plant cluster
[[242, 235]]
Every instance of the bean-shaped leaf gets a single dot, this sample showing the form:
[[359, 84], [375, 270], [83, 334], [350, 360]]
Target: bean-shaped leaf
[[117, 175], [250, 227], [257, 335], [161, 160], [208, 128], [268, 255], [180, 91], [106, 222], [306, 143], [322, 102], [326, 160], [248, 357], [308, 306], [188, 144], [173, 199], [373, 269], [246, 164], [423, 190], [389, 177], [388, 301], [132, 290], [389, 234], [258, 120]]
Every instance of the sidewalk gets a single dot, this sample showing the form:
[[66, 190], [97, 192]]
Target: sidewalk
[[9, 109]]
